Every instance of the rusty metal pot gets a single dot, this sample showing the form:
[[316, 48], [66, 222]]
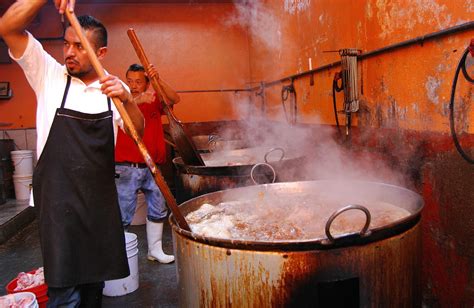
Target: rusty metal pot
[[230, 169], [376, 267]]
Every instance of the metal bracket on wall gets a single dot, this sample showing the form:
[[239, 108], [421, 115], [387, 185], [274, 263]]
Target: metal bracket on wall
[[5, 90], [8, 96]]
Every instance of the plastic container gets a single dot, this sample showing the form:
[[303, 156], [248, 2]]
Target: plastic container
[[22, 162], [123, 286], [132, 245], [41, 291], [17, 297], [22, 186]]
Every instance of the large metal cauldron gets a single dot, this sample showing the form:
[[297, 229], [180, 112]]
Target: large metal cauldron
[[379, 267], [231, 169]]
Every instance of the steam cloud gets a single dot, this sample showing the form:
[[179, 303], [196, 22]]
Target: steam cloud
[[325, 157], [261, 23]]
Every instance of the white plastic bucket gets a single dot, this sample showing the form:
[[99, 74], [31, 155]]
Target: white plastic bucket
[[22, 162], [16, 298], [22, 186], [119, 287], [27, 295], [131, 242]]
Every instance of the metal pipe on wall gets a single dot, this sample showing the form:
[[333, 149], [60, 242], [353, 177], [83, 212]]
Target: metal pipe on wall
[[417, 40]]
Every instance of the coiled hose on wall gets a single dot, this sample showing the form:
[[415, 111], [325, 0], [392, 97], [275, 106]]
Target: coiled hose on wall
[[461, 67]]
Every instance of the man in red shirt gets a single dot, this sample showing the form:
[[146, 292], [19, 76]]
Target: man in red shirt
[[132, 172]]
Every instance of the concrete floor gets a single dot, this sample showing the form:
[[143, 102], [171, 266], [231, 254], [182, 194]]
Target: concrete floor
[[14, 216], [158, 282]]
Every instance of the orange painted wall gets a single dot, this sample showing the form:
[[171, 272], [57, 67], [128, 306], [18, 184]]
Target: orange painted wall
[[408, 88], [190, 45]]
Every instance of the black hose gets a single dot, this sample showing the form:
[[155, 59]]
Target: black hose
[[461, 65], [336, 88], [295, 105], [285, 93], [284, 96]]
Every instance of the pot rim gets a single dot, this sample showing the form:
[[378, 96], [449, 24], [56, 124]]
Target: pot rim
[[231, 170], [344, 240]]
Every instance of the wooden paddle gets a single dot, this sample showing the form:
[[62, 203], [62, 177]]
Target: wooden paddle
[[184, 145], [170, 201]]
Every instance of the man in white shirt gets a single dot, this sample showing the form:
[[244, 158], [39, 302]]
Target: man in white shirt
[[82, 239]]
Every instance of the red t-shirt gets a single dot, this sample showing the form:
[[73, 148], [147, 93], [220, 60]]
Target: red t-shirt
[[127, 151]]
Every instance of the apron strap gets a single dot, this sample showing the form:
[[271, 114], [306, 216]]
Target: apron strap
[[66, 90]]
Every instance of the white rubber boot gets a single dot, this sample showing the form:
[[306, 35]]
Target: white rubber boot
[[154, 234]]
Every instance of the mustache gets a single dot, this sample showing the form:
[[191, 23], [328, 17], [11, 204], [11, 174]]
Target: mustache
[[71, 59]]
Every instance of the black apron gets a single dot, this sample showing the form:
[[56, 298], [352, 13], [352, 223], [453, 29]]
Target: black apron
[[81, 234]]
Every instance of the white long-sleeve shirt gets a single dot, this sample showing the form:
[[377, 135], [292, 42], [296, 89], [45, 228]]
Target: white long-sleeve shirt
[[48, 79]]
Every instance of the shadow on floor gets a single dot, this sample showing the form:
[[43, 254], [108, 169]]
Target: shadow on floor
[[158, 282]]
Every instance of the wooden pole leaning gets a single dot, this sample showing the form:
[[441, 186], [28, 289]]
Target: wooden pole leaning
[[184, 145]]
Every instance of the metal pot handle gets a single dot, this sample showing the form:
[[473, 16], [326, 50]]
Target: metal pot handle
[[213, 137], [273, 150], [212, 143], [363, 232], [262, 164]]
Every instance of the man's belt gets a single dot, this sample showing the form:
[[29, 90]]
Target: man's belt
[[134, 165]]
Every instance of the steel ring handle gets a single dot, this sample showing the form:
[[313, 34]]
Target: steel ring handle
[[212, 137], [363, 232], [262, 164], [273, 150], [212, 142], [212, 145]]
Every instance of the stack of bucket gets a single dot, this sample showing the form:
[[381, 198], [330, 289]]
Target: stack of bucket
[[119, 287], [22, 173]]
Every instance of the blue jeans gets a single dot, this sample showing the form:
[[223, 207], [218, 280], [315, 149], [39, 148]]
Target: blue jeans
[[85, 295], [130, 180]]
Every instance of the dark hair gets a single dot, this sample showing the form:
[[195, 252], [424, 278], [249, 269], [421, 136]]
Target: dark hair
[[137, 68], [88, 22]]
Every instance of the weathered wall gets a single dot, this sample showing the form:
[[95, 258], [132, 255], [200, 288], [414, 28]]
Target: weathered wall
[[404, 107], [408, 88]]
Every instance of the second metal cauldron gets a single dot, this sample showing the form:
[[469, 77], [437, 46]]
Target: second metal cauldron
[[230, 169]]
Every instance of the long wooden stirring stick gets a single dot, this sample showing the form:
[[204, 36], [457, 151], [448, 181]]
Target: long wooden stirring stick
[[171, 202], [185, 146]]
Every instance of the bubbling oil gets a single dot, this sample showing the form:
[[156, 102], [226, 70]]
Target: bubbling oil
[[280, 218]]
